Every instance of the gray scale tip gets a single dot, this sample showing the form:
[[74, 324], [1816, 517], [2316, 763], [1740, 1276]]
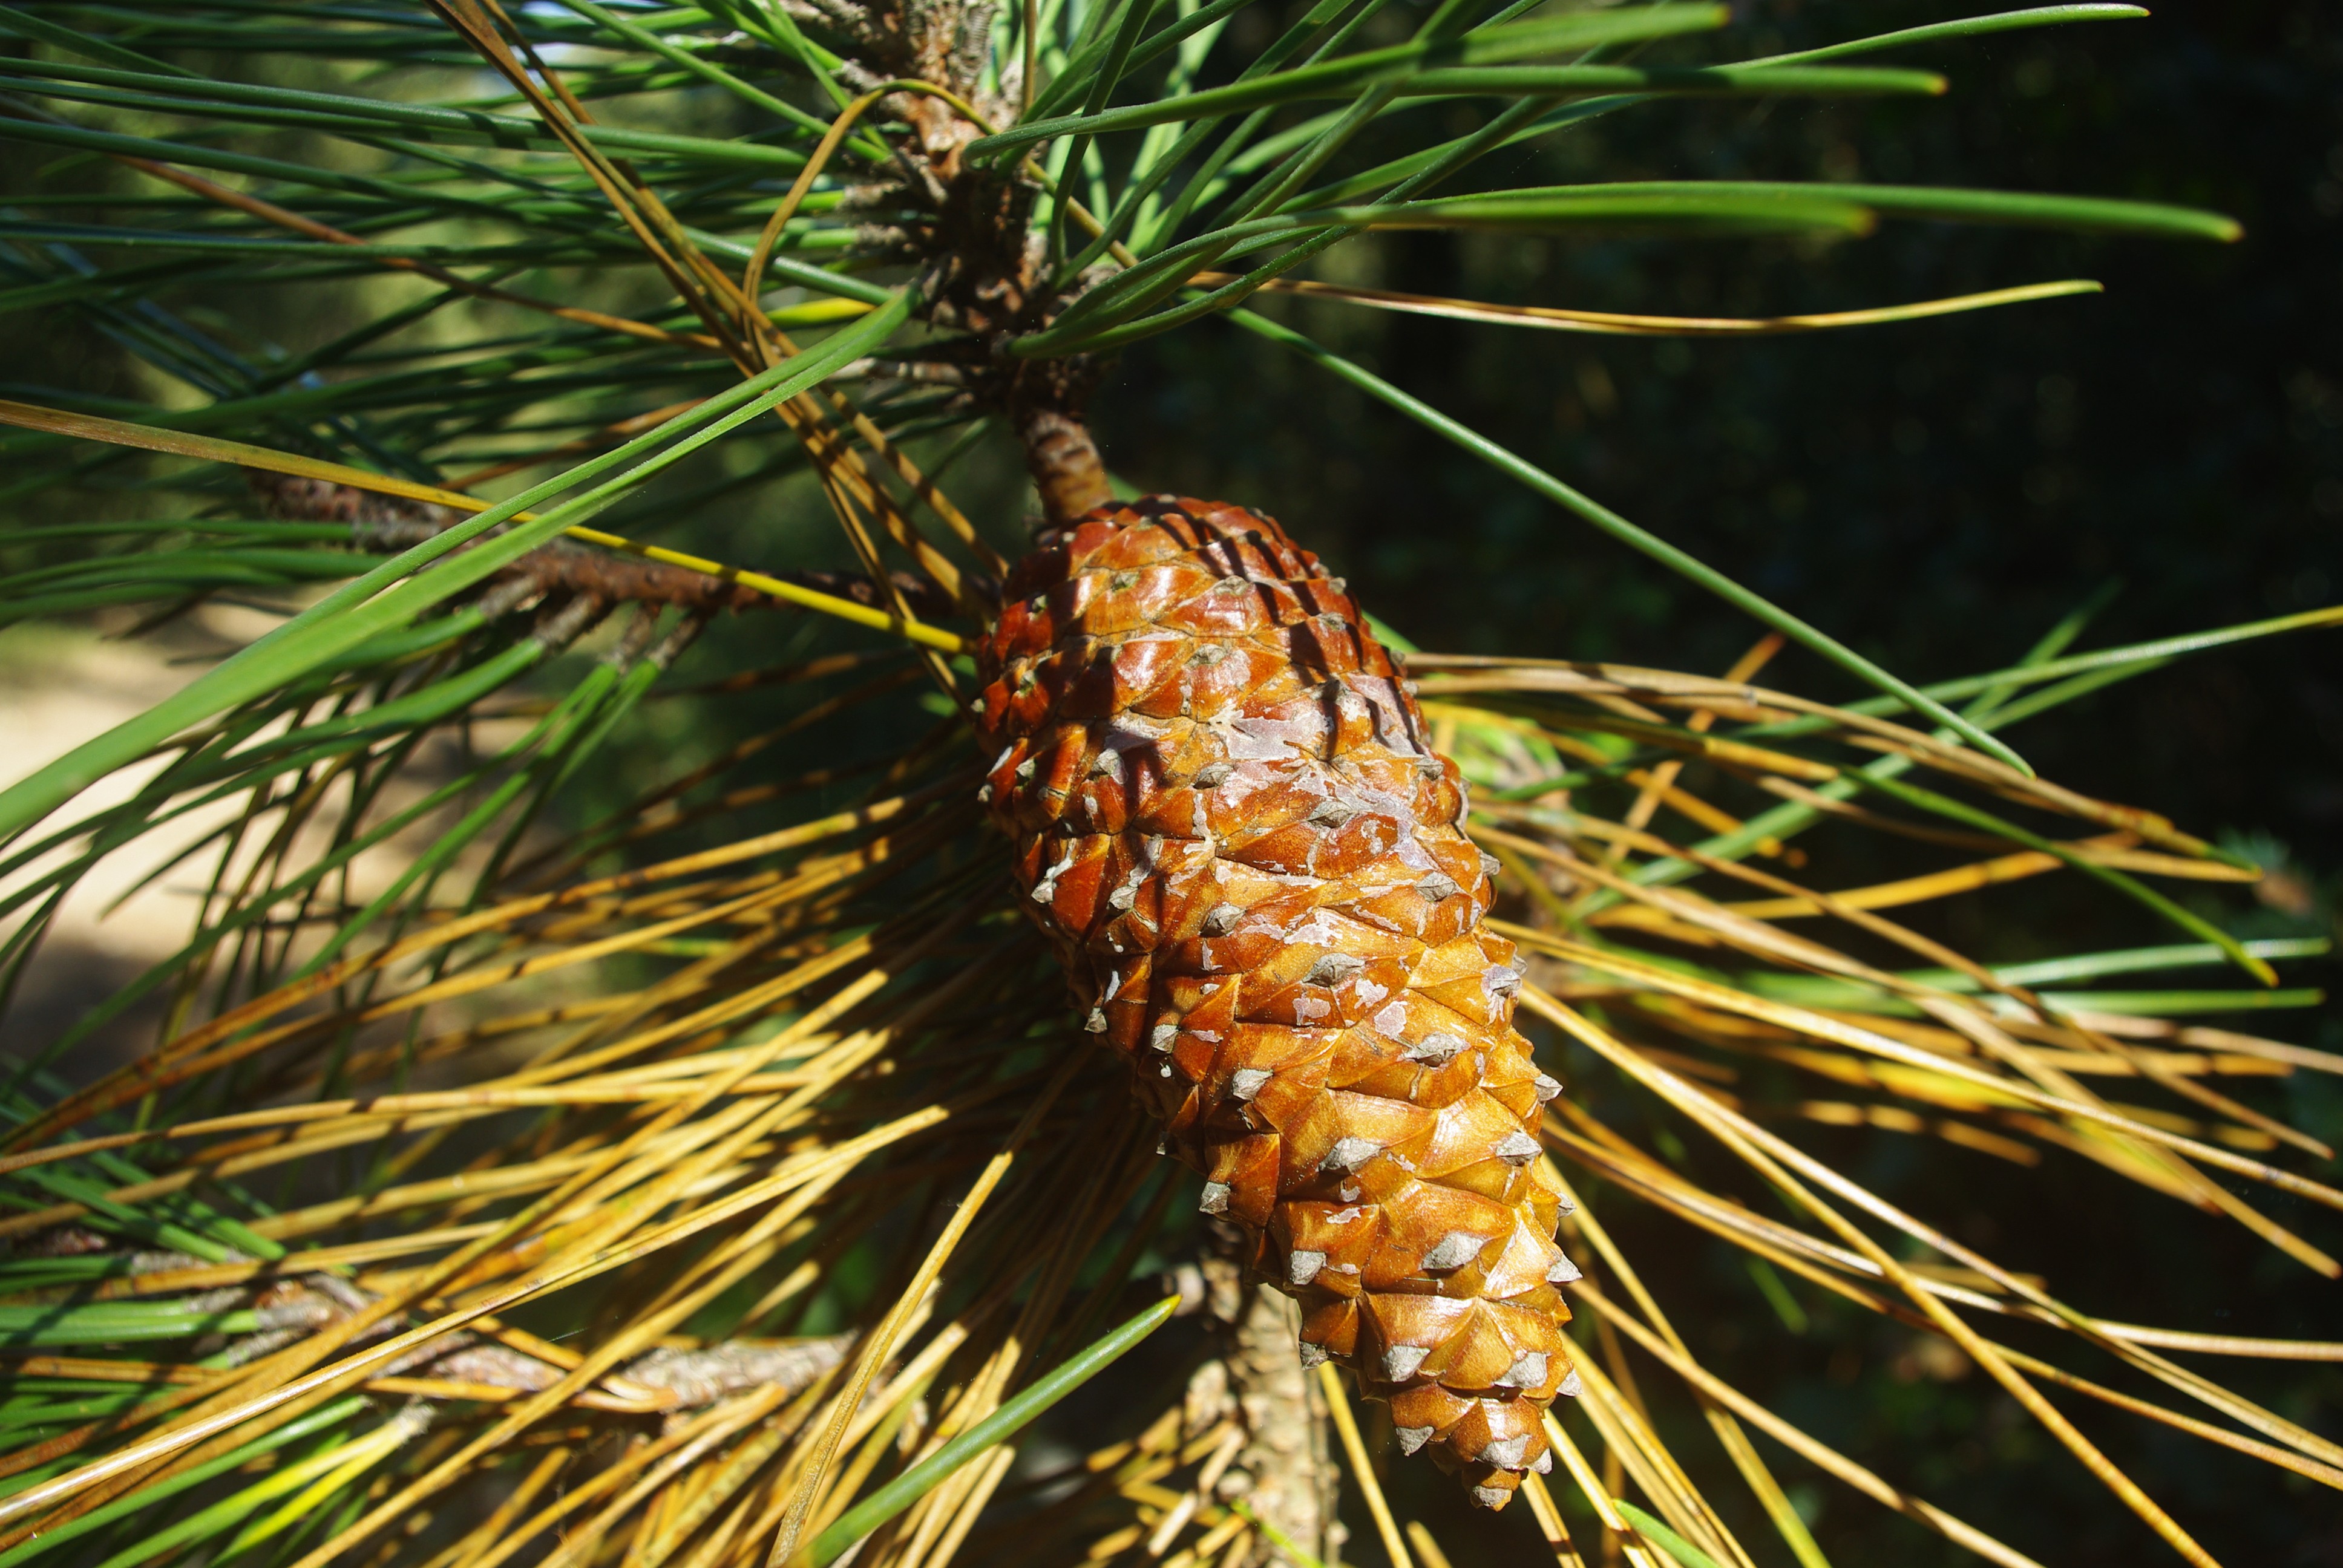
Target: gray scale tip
[[1334, 968], [1331, 813], [1517, 1148], [1400, 1361], [1433, 1049], [1506, 1452], [1453, 1250]]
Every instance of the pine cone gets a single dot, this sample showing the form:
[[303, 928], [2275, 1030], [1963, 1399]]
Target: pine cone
[[1233, 826]]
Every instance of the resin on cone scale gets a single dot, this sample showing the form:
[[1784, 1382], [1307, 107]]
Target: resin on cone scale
[[1230, 820]]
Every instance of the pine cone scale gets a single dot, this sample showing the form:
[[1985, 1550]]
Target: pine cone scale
[[1230, 822]]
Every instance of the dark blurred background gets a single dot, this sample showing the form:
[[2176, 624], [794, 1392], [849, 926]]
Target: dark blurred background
[[1937, 494]]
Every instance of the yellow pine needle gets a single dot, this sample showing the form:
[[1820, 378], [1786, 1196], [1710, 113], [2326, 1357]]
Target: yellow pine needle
[[1895, 1118], [2131, 1334], [705, 1433], [85, 1102], [1541, 1508], [1346, 1425], [761, 253], [355, 1366], [1758, 1151], [208, 449], [1611, 684], [410, 1109], [1222, 1532], [325, 1473], [984, 1476], [1789, 1248], [1756, 939], [211, 1276], [1661, 781], [708, 1279], [1815, 1452], [2160, 1170], [1597, 1496], [1760, 1479], [901, 626], [654, 1520], [659, 1458], [721, 1486], [1989, 873], [1630, 1439], [1286, 1545], [881, 1436], [1692, 743], [2325, 1474], [1193, 1500], [492, 1528], [1555, 318], [1807, 1021], [875, 1350]]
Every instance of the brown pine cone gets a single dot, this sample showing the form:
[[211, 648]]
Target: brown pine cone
[[1232, 824]]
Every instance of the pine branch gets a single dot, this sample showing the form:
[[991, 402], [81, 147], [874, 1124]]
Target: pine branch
[[387, 525]]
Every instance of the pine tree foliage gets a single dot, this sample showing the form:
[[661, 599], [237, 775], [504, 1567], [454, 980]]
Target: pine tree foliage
[[689, 1156]]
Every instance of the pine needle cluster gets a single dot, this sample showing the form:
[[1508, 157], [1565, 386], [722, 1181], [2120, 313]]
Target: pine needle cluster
[[610, 1107]]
